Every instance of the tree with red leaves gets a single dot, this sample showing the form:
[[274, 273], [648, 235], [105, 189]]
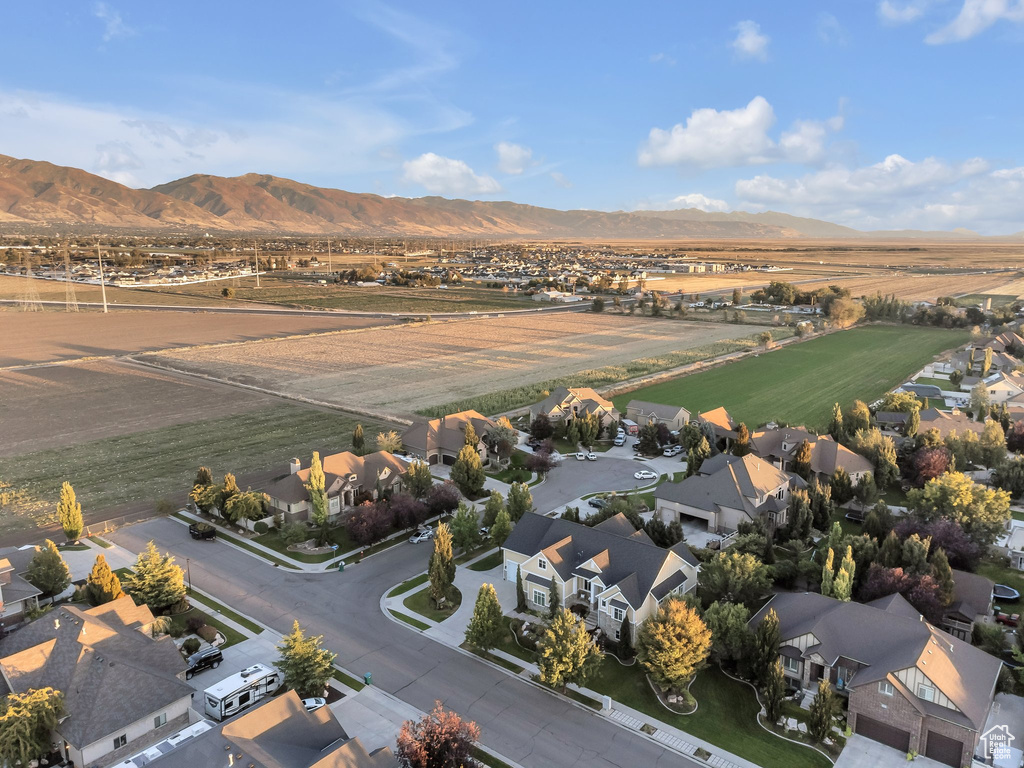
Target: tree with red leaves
[[929, 463], [441, 739]]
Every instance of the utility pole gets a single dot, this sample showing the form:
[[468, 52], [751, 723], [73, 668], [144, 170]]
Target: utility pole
[[330, 269], [103, 284], [256, 248]]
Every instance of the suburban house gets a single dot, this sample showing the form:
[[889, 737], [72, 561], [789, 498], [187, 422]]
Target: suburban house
[[972, 359], [673, 416], [122, 687], [349, 480], [1002, 388], [1015, 547], [438, 441], [892, 422], [16, 595], [971, 604], [726, 491], [947, 422], [564, 404], [780, 445], [721, 422], [278, 733], [611, 569], [910, 685]]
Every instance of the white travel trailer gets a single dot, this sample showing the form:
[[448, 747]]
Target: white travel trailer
[[233, 694]]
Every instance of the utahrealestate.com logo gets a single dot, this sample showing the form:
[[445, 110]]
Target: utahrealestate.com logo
[[996, 742]]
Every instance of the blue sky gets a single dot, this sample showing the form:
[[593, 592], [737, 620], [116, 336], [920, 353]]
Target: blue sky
[[892, 114]]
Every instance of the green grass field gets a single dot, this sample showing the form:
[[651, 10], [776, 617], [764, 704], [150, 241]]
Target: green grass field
[[800, 383], [999, 300], [153, 464]]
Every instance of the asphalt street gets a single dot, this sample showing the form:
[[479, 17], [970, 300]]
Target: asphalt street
[[531, 726]]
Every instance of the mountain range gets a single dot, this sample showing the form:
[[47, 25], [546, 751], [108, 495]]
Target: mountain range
[[36, 193]]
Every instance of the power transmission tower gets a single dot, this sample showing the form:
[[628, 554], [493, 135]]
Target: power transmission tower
[[30, 296], [70, 301]]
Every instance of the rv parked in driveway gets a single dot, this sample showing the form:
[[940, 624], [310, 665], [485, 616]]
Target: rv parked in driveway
[[238, 692]]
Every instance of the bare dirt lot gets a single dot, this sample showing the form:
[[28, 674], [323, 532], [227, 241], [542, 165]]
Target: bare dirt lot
[[405, 369], [41, 337], [913, 287]]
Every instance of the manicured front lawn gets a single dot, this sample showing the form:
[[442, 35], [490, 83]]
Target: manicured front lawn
[[421, 603], [514, 668], [726, 714], [231, 635], [410, 620], [101, 542], [511, 646], [223, 609], [405, 586], [338, 536], [348, 680], [493, 560], [515, 472], [798, 384]]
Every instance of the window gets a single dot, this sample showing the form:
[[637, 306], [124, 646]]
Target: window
[[159, 720], [780, 493], [791, 665], [618, 614], [540, 598], [885, 688], [120, 741], [926, 692], [542, 564], [617, 634], [586, 585]]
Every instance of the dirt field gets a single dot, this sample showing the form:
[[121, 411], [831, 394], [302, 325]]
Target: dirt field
[[913, 287], [406, 369], [12, 287], [41, 337]]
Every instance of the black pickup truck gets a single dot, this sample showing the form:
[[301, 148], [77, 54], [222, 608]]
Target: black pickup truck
[[202, 531]]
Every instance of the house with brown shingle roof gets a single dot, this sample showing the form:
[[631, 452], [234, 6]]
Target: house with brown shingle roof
[[17, 595], [122, 687], [349, 479], [779, 445], [438, 441], [719, 420], [948, 421], [910, 685], [726, 491], [612, 569], [565, 404], [642, 412]]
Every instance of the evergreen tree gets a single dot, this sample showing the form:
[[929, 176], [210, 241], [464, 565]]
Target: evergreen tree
[[495, 503], [822, 508], [554, 602], [887, 470], [842, 486], [913, 423], [799, 516], [730, 636], [567, 652], [842, 586], [358, 440], [157, 581], [468, 472], [828, 574], [519, 501], [502, 527], [625, 643], [878, 523], [767, 639], [305, 665], [914, 557], [441, 569], [774, 692], [520, 591], [822, 712], [835, 427], [316, 486], [673, 644], [891, 553], [472, 440], [418, 480], [465, 528], [69, 512], [943, 575], [204, 477], [47, 571], [741, 445], [486, 628], [860, 418], [27, 721], [835, 535], [102, 586], [802, 460]]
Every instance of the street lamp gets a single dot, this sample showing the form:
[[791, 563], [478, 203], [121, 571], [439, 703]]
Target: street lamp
[[188, 571]]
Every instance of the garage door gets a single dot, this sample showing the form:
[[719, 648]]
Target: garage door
[[448, 460], [887, 734], [944, 749]]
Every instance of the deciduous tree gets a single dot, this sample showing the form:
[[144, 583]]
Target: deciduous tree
[[860, 418], [465, 527], [69, 512], [417, 480], [441, 739], [741, 445], [541, 428], [842, 486], [568, 653], [468, 472], [441, 569], [822, 712], [992, 444], [519, 501], [734, 577], [767, 639], [835, 426], [442, 499], [102, 585], [774, 692], [502, 528], [495, 503], [842, 586], [47, 571], [358, 440], [730, 635], [982, 512], [828, 574], [26, 724], [802, 460], [673, 644], [305, 665], [389, 441]]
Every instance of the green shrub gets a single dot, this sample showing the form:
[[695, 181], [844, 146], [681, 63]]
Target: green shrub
[[190, 646], [261, 527], [293, 533], [176, 628], [208, 633]]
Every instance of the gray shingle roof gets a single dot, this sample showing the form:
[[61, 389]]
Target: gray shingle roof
[[658, 410], [631, 562], [826, 453]]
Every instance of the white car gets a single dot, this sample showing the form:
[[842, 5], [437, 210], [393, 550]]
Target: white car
[[591, 457], [673, 450], [581, 457], [315, 703], [646, 474], [620, 440], [419, 536]]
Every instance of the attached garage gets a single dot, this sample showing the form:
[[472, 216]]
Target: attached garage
[[944, 749], [882, 732], [448, 460]]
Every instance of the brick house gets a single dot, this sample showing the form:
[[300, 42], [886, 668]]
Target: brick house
[[910, 685], [348, 480], [611, 569]]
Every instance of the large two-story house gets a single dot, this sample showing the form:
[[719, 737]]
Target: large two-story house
[[348, 479], [438, 441], [726, 491], [565, 404], [673, 416], [910, 685], [780, 446], [615, 571], [123, 688]]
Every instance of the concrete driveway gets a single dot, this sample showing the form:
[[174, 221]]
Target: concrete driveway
[[1008, 711], [862, 752]]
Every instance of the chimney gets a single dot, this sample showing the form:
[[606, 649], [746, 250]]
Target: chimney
[[294, 466]]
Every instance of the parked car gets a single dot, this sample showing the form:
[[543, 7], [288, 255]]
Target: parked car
[[1005, 593], [202, 531], [208, 658], [619, 440], [424, 535], [581, 456], [484, 531], [646, 474], [314, 703], [673, 450], [597, 502], [636, 446], [591, 457], [1008, 619]]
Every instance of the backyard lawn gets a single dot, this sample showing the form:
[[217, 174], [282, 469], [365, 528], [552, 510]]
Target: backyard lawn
[[799, 384]]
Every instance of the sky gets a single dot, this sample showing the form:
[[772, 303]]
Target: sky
[[899, 114]]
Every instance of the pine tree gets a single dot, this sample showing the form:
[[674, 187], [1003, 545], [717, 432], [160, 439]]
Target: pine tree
[[828, 574], [673, 644], [520, 591], [519, 501], [157, 581], [943, 575], [767, 639], [418, 480], [471, 437], [567, 652], [204, 477], [822, 711], [913, 423], [102, 586], [468, 472], [841, 485], [741, 445], [358, 440], [774, 691], [835, 427], [891, 553], [842, 587], [47, 571], [69, 512], [486, 627], [305, 665], [441, 569], [495, 503], [465, 527], [914, 556], [625, 643], [554, 602], [802, 460], [502, 527]]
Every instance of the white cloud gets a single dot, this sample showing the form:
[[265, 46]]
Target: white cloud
[[662, 58], [830, 31], [699, 201], [975, 17], [896, 13], [560, 180], [513, 159], [113, 25], [749, 42], [445, 176], [736, 137]]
